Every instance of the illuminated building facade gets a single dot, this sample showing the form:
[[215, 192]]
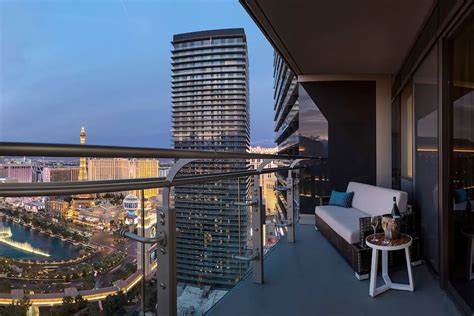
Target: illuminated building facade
[[210, 112], [121, 168], [17, 172], [267, 181], [60, 174], [57, 208], [145, 168], [108, 169]]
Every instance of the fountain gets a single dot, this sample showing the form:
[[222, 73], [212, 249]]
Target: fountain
[[6, 233]]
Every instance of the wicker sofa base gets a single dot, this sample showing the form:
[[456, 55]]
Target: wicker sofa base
[[359, 256]]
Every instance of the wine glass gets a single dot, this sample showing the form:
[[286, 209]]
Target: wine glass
[[374, 222]]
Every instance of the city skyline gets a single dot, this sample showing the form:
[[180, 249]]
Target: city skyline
[[113, 92]]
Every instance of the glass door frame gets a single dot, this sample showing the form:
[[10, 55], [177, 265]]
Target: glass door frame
[[445, 134]]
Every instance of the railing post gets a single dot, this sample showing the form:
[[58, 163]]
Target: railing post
[[290, 214], [144, 257], [296, 196], [257, 219], [166, 258]]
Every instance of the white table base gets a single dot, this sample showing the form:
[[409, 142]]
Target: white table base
[[470, 257], [373, 291]]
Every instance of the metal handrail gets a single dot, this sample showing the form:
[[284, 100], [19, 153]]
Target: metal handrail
[[83, 187], [67, 150]]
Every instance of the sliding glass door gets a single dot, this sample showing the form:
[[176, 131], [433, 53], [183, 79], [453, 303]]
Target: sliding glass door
[[461, 215], [425, 201]]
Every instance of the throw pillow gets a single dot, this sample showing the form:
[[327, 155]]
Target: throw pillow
[[343, 199], [460, 195]]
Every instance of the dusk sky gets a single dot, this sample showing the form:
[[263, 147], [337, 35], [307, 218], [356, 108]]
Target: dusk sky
[[106, 65]]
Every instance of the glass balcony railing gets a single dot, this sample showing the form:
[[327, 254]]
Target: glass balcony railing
[[172, 243]]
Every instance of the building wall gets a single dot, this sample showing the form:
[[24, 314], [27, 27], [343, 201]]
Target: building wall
[[350, 110], [210, 112], [144, 168], [286, 117], [121, 168], [382, 118], [60, 174], [19, 172]]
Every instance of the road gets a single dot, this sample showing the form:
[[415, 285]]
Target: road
[[130, 248]]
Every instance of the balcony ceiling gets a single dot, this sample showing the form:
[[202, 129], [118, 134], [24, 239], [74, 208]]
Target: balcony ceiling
[[341, 36]]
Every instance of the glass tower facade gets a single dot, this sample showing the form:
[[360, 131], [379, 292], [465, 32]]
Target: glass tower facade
[[211, 112], [301, 128], [286, 117]]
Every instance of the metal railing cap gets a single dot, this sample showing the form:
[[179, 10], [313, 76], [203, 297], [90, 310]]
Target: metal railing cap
[[75, 150]]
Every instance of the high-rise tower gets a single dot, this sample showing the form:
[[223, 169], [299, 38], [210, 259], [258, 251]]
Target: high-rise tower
[[210, 112], [82, 160]]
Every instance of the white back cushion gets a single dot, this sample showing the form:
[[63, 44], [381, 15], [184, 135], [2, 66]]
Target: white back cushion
[[375, 200]]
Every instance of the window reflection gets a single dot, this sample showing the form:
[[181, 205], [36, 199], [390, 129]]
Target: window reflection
[[313, 140], [425, 96], [461, 218], [396, 144], [407, 132]]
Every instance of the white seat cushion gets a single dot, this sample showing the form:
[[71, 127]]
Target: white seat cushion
[[375, 200], [344, 221]]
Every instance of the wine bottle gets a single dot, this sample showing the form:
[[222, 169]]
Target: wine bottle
[[395, 210]]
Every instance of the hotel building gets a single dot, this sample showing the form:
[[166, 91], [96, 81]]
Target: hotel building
[[17, 171], [121, 168], [60, 174], [210, 112]]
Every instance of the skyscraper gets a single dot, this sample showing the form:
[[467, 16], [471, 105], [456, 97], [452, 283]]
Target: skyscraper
[[210, 112]]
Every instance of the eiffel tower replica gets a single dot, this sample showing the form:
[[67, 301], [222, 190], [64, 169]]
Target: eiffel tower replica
[[81, 201]]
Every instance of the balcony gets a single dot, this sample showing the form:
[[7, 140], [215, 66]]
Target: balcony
[[217, 243], [309, 273], [309, 277]]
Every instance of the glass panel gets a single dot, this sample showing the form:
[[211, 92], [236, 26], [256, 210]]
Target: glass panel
[[314, 136], [425, 86], [72, 243], [407, 132], [396, 144], [406, 140], [68, 249], [461, 218], [215, 233]]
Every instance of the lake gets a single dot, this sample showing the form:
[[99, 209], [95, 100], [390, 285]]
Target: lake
[[57, 248]]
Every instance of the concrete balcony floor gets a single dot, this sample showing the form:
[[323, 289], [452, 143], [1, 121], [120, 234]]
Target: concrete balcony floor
[[309, 277]]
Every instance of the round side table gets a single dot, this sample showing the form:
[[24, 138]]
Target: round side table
[[377, 242]]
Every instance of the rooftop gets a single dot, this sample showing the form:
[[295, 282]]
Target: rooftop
[[208, 33]]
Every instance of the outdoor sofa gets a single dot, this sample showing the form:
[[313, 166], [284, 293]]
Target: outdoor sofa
[[347, 228]]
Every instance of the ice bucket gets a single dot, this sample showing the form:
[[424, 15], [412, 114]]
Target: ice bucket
[[391, 227]]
